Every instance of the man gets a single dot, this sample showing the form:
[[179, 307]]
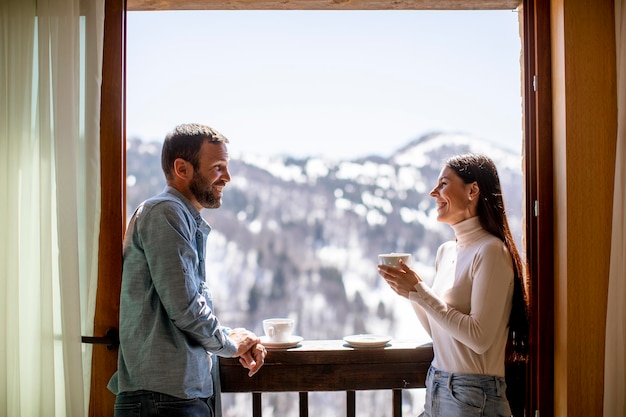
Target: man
[[168, 329]]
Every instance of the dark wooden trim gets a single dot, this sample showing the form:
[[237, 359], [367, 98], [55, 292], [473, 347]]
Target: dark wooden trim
[[328, 365], [154, 5], [331, 365], [112, 222], [539, 188]]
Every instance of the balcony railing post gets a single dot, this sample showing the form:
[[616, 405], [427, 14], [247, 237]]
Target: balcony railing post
[[256, 404], [351, 403], [304, 404], [397, 403]]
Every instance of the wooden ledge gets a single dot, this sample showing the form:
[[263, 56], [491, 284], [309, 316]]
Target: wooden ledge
[[332, 365]]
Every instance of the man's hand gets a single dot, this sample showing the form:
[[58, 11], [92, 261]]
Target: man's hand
[[253, 359], [250, 352]]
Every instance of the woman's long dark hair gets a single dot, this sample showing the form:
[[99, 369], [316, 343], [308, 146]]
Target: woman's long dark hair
[[492, 215]]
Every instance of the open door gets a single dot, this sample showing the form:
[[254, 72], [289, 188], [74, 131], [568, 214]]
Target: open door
[[538, 176]]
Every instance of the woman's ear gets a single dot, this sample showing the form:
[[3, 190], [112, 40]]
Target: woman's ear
[[474, 191]]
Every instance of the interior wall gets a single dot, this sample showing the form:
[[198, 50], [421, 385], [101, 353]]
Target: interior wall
[[584, 138]]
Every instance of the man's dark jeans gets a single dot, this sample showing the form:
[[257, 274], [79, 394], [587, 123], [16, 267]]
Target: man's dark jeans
[[155, 404]]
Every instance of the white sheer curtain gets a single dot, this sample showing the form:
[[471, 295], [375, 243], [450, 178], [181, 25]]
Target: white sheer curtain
[[50, 71], [615, 354]]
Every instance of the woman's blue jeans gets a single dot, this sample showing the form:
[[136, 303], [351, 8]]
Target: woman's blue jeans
[[465, 395], [155, 404]]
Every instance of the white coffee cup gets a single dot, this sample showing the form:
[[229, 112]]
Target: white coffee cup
[[278, 329], [393, 259]]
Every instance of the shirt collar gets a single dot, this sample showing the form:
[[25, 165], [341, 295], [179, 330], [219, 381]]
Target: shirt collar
[[192, 209]]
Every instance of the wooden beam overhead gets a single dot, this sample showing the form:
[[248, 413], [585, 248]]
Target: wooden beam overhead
[[156, 5]]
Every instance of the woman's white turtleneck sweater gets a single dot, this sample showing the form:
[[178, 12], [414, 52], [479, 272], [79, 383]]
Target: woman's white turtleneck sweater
[[466, 311]]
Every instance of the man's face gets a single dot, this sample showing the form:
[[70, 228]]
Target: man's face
[[212, 175]]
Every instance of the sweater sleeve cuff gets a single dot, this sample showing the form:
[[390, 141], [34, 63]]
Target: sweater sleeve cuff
[[428, 300], [417, 295]]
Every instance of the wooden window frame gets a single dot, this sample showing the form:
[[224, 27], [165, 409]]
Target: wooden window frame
[[538, 165]]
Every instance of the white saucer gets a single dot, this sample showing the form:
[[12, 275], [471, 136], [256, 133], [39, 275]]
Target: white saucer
[[367, 340], [292, 342]]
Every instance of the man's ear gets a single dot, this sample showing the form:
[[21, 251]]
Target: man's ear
[[182, 169]]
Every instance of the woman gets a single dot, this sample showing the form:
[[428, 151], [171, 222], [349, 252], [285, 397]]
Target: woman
[[477, 297]]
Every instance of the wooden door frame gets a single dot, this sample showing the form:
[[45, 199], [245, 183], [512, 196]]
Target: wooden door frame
[[536, 86], [538, 164], [113, 205]]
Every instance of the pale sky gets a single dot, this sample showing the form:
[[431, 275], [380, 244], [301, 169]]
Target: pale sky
[[340, 84]]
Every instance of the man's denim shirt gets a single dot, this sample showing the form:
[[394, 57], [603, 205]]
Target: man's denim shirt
[[167, 325]]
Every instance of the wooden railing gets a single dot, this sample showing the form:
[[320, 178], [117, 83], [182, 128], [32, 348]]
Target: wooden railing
[[332, 365]]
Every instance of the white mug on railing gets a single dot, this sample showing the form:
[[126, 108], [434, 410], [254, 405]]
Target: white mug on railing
[[278, 329]]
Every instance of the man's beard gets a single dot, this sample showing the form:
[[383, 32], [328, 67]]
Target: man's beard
[[203, 192]]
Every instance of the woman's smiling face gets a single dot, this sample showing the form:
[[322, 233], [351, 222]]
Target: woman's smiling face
[[456, 200]]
